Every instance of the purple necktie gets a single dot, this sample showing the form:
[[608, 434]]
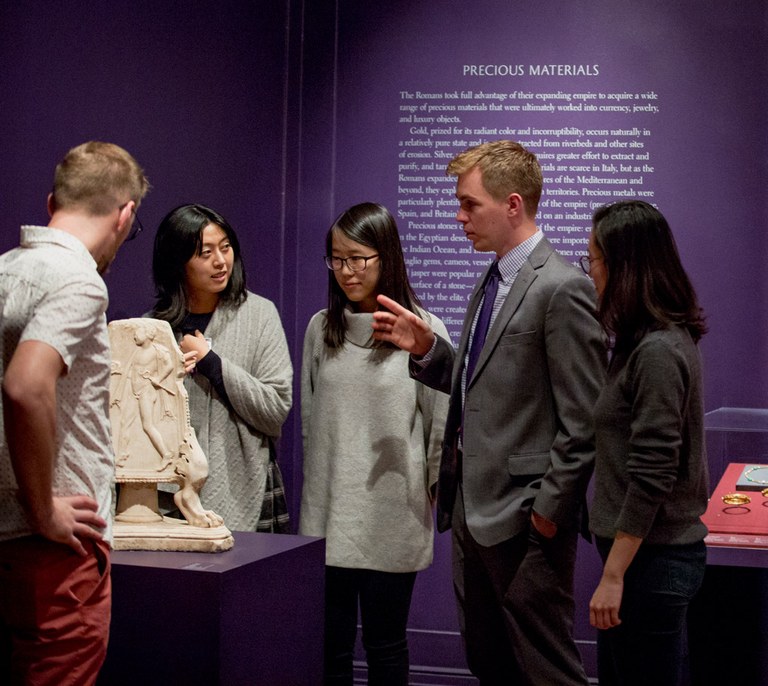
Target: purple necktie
[[484, 318], [450, 468]]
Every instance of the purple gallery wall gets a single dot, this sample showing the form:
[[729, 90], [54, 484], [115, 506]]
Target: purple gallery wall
[[198, 92], [709, 148], [710, 154], [282, 113]]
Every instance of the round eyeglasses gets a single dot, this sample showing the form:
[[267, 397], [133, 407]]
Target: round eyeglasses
[[136, 226], [355, 263], [586, 263]]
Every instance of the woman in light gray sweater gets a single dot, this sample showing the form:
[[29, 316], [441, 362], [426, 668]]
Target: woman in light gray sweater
[[372, 439], [650, 464], [240, 391]]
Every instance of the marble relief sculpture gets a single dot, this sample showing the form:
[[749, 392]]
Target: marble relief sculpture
[[155, 443]]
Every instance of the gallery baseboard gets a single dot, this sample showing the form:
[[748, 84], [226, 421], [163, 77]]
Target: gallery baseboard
[[437, 659]]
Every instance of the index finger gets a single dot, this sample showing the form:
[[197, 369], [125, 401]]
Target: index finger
[[391, 305], [76, 544]]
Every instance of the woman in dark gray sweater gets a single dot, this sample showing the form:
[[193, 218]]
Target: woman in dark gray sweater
[[650, 467]]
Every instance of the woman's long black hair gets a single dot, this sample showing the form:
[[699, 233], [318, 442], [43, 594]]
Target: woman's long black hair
[[647, 288], [178, 239], [372, 225]]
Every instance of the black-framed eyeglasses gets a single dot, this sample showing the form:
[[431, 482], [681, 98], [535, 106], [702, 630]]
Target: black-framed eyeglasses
[[586, 263], [355, 263], [136, 227]]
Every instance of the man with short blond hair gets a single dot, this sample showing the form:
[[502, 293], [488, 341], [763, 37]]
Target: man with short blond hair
[[506, 167], [56, 457]]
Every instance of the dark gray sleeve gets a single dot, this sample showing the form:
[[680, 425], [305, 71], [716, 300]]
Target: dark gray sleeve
[[210, 368], [438, 370]]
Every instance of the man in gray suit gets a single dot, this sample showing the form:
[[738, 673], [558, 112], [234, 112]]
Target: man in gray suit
[[518, 447]]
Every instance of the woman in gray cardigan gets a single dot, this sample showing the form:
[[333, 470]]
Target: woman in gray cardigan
[[240, 390], [650, 464]]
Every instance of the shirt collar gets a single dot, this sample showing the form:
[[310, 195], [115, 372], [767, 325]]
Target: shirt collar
[[513, 261], [34, 236]]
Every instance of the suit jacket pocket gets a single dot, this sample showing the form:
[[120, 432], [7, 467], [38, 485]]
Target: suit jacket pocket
[[519, 338], [527, 465]]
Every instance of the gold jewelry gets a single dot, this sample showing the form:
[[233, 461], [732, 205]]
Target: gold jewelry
[[764, 492], [736, 499], [762, 482]]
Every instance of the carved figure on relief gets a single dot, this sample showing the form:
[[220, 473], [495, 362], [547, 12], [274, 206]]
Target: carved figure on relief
[[153, 439]]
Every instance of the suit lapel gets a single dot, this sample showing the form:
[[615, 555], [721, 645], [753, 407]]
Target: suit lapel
[[525, 277]]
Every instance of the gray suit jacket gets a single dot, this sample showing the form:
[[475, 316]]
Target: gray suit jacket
[[528, 437]]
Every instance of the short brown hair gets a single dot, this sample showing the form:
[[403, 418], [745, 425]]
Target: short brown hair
[[97, 177], [506, 167]]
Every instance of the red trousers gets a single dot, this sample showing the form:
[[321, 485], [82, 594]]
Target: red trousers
[[54, 612]]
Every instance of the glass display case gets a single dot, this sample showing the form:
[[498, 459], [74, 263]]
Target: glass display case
[[736, 579], [735, 434]]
